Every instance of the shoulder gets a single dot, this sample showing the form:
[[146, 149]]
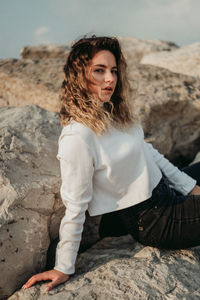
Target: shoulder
[[77, 129], [75, 139], [137, 129]]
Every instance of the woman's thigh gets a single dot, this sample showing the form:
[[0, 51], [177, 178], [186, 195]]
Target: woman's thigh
[[170, 226], [173, 222]]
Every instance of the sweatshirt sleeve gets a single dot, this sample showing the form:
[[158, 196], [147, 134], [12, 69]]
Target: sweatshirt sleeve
[[76, 164], [179, 180]]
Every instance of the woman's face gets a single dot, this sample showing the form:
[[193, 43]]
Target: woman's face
[[103, 75]]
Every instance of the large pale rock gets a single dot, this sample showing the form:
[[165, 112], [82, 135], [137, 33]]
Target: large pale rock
[[168, 105], [29, 183], [134, 49], [30, 205], [45, 51], [25, 82], [185, 60], [118, 268], [37, 77]]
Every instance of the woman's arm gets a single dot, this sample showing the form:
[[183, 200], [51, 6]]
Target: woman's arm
[[179, 180], [76, 163]]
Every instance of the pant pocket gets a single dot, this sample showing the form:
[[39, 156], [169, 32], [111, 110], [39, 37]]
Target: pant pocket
[[147, 221]]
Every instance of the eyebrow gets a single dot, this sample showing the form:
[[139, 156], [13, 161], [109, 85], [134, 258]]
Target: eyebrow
[[103, 66]]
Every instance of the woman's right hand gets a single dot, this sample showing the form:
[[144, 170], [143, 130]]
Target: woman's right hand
[[55, 276]]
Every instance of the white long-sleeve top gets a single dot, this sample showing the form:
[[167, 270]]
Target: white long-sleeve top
[[104, 174]]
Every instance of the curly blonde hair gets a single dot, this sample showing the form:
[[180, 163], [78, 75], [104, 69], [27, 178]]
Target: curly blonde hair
[[78, 103]]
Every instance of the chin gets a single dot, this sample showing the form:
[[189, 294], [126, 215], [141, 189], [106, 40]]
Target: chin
[[105, 99]]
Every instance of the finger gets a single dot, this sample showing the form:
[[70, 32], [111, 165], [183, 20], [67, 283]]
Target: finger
[[52, 284], [55, 282], [34, 279]]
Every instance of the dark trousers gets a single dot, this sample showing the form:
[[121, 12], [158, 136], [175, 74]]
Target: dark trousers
[[166, 220]]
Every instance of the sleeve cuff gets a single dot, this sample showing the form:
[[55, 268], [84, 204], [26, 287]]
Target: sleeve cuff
[[185, 189], [65, 271]]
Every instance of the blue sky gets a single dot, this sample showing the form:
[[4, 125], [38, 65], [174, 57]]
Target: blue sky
[[32, 22]]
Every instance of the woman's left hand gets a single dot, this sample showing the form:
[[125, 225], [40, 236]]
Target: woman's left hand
[[195, 190]]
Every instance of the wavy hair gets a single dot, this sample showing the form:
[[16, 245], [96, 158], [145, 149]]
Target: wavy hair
[[78, 103]]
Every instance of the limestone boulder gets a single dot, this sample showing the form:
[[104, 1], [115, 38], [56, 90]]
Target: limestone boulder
[[168, 106], [45, 51], [184, 60], [134, 49], [119, 268], [25, 82], [30, 204], [167, 103]]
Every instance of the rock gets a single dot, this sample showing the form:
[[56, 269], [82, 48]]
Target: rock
[[30, 205], [184, 60], [135, 49], [197, 158], [45, 51], [168, 106], [119, 268], [167, 103], [25, 82]]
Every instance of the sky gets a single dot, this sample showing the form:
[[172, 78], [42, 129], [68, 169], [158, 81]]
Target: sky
[[34, 22]]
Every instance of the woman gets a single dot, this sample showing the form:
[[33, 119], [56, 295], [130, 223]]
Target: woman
[[107, 168]]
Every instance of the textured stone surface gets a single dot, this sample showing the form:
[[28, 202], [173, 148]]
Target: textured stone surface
[[185, 60], [45, 51], [30, 205], [37, 77], [135, 49], [168, 105], [25, 82], [119, 268]]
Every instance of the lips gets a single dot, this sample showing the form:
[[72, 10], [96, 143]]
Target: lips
[[108, 88]]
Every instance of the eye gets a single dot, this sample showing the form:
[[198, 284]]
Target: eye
[[114, 72], [99, 70]]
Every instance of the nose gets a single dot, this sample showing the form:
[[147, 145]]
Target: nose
[[109, 76]]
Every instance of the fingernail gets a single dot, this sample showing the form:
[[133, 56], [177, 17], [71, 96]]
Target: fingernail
[[47, 288]]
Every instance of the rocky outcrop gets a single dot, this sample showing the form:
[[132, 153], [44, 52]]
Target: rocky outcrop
[[184, 60], [167, 103], [119, 268], [36, 78], [31, 209], [135, 49], [25, 82], [45, 51], [168, 106]]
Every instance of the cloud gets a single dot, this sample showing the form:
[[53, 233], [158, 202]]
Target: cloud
[[41, 31], [42, 35]]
